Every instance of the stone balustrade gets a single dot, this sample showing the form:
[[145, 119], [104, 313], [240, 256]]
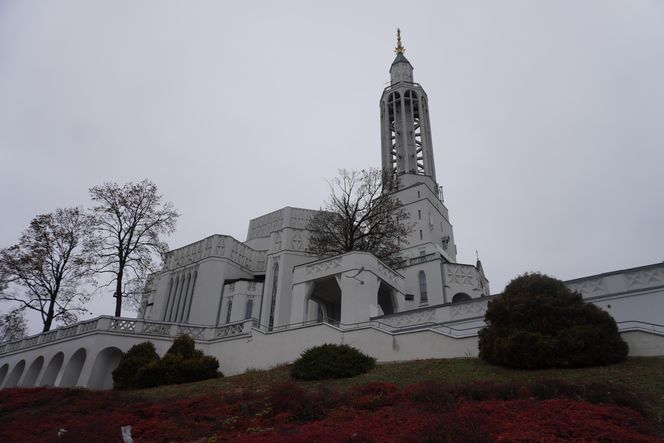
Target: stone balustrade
[[132, 326]]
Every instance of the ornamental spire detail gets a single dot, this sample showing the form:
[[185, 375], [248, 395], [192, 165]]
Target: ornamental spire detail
[[399, 49]]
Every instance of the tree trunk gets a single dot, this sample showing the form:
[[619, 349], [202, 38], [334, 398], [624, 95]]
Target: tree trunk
[[118, 293], [49, 315]]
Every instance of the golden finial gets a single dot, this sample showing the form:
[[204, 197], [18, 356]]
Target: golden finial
[[399, 49]]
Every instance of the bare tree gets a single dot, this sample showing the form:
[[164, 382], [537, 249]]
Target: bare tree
[[13, 326], [47, 266], [129, 221], [360, 216]]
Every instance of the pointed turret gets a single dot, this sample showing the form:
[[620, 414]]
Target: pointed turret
[[401, 69]]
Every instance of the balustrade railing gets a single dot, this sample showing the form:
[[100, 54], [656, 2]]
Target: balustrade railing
[[131, 326], [244, 327]]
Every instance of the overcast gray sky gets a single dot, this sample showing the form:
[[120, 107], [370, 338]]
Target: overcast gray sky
[[547, 117]]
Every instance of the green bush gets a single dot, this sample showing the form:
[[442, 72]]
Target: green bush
[[331, 361], [183, 346], [150, 375], [182, 363], [539, 323], [126, 375]]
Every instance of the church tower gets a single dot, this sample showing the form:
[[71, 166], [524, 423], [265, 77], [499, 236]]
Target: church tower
[[407, 156], [431, 272], [405, 128]]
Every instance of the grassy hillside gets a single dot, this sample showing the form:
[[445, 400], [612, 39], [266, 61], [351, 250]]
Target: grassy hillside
[[644, 375], [263, 406]]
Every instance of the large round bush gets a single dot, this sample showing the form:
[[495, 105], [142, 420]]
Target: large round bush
[[331, 361], [538, 323]]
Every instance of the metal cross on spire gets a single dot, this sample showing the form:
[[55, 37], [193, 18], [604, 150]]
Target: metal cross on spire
[[399, 49]]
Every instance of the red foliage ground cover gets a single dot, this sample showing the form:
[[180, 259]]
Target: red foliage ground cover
[[375, 412]]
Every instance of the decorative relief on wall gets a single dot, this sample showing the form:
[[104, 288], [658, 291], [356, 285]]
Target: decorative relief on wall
[[471, 309], [277, 241], [209, 243], [234, 251], [323, 266], [263, 226], [297, 243], [274, 221], [415, 318], [300, 218], [644, 278], [221, 246], [251, 286], [216, 246], [460, 275], [596, 286], [387, 273]]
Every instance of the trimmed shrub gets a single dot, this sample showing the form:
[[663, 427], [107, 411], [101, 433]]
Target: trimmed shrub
[[126, 375], [150, 375], [185, 347], [183, 363], [331, 361], [538, 323], [178, 370], [141, 367]]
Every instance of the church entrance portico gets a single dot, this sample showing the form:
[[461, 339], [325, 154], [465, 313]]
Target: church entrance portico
[[347, 289]]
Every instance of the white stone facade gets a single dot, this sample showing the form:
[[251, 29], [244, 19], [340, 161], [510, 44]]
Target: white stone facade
[[261, 302]]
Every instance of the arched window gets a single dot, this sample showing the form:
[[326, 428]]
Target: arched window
[[248, 309], [424, 298], [229, 308], [273, 299]]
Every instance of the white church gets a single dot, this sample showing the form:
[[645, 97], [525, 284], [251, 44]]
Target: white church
[[260, 302]]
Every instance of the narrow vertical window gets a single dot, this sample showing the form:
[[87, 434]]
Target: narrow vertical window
[[424, 298], [420, 234], [273, 300], [249, 309], [419, 214], [229, 309], [418, 194]]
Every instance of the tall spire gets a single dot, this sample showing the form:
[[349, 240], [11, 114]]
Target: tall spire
[[399, 49]]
